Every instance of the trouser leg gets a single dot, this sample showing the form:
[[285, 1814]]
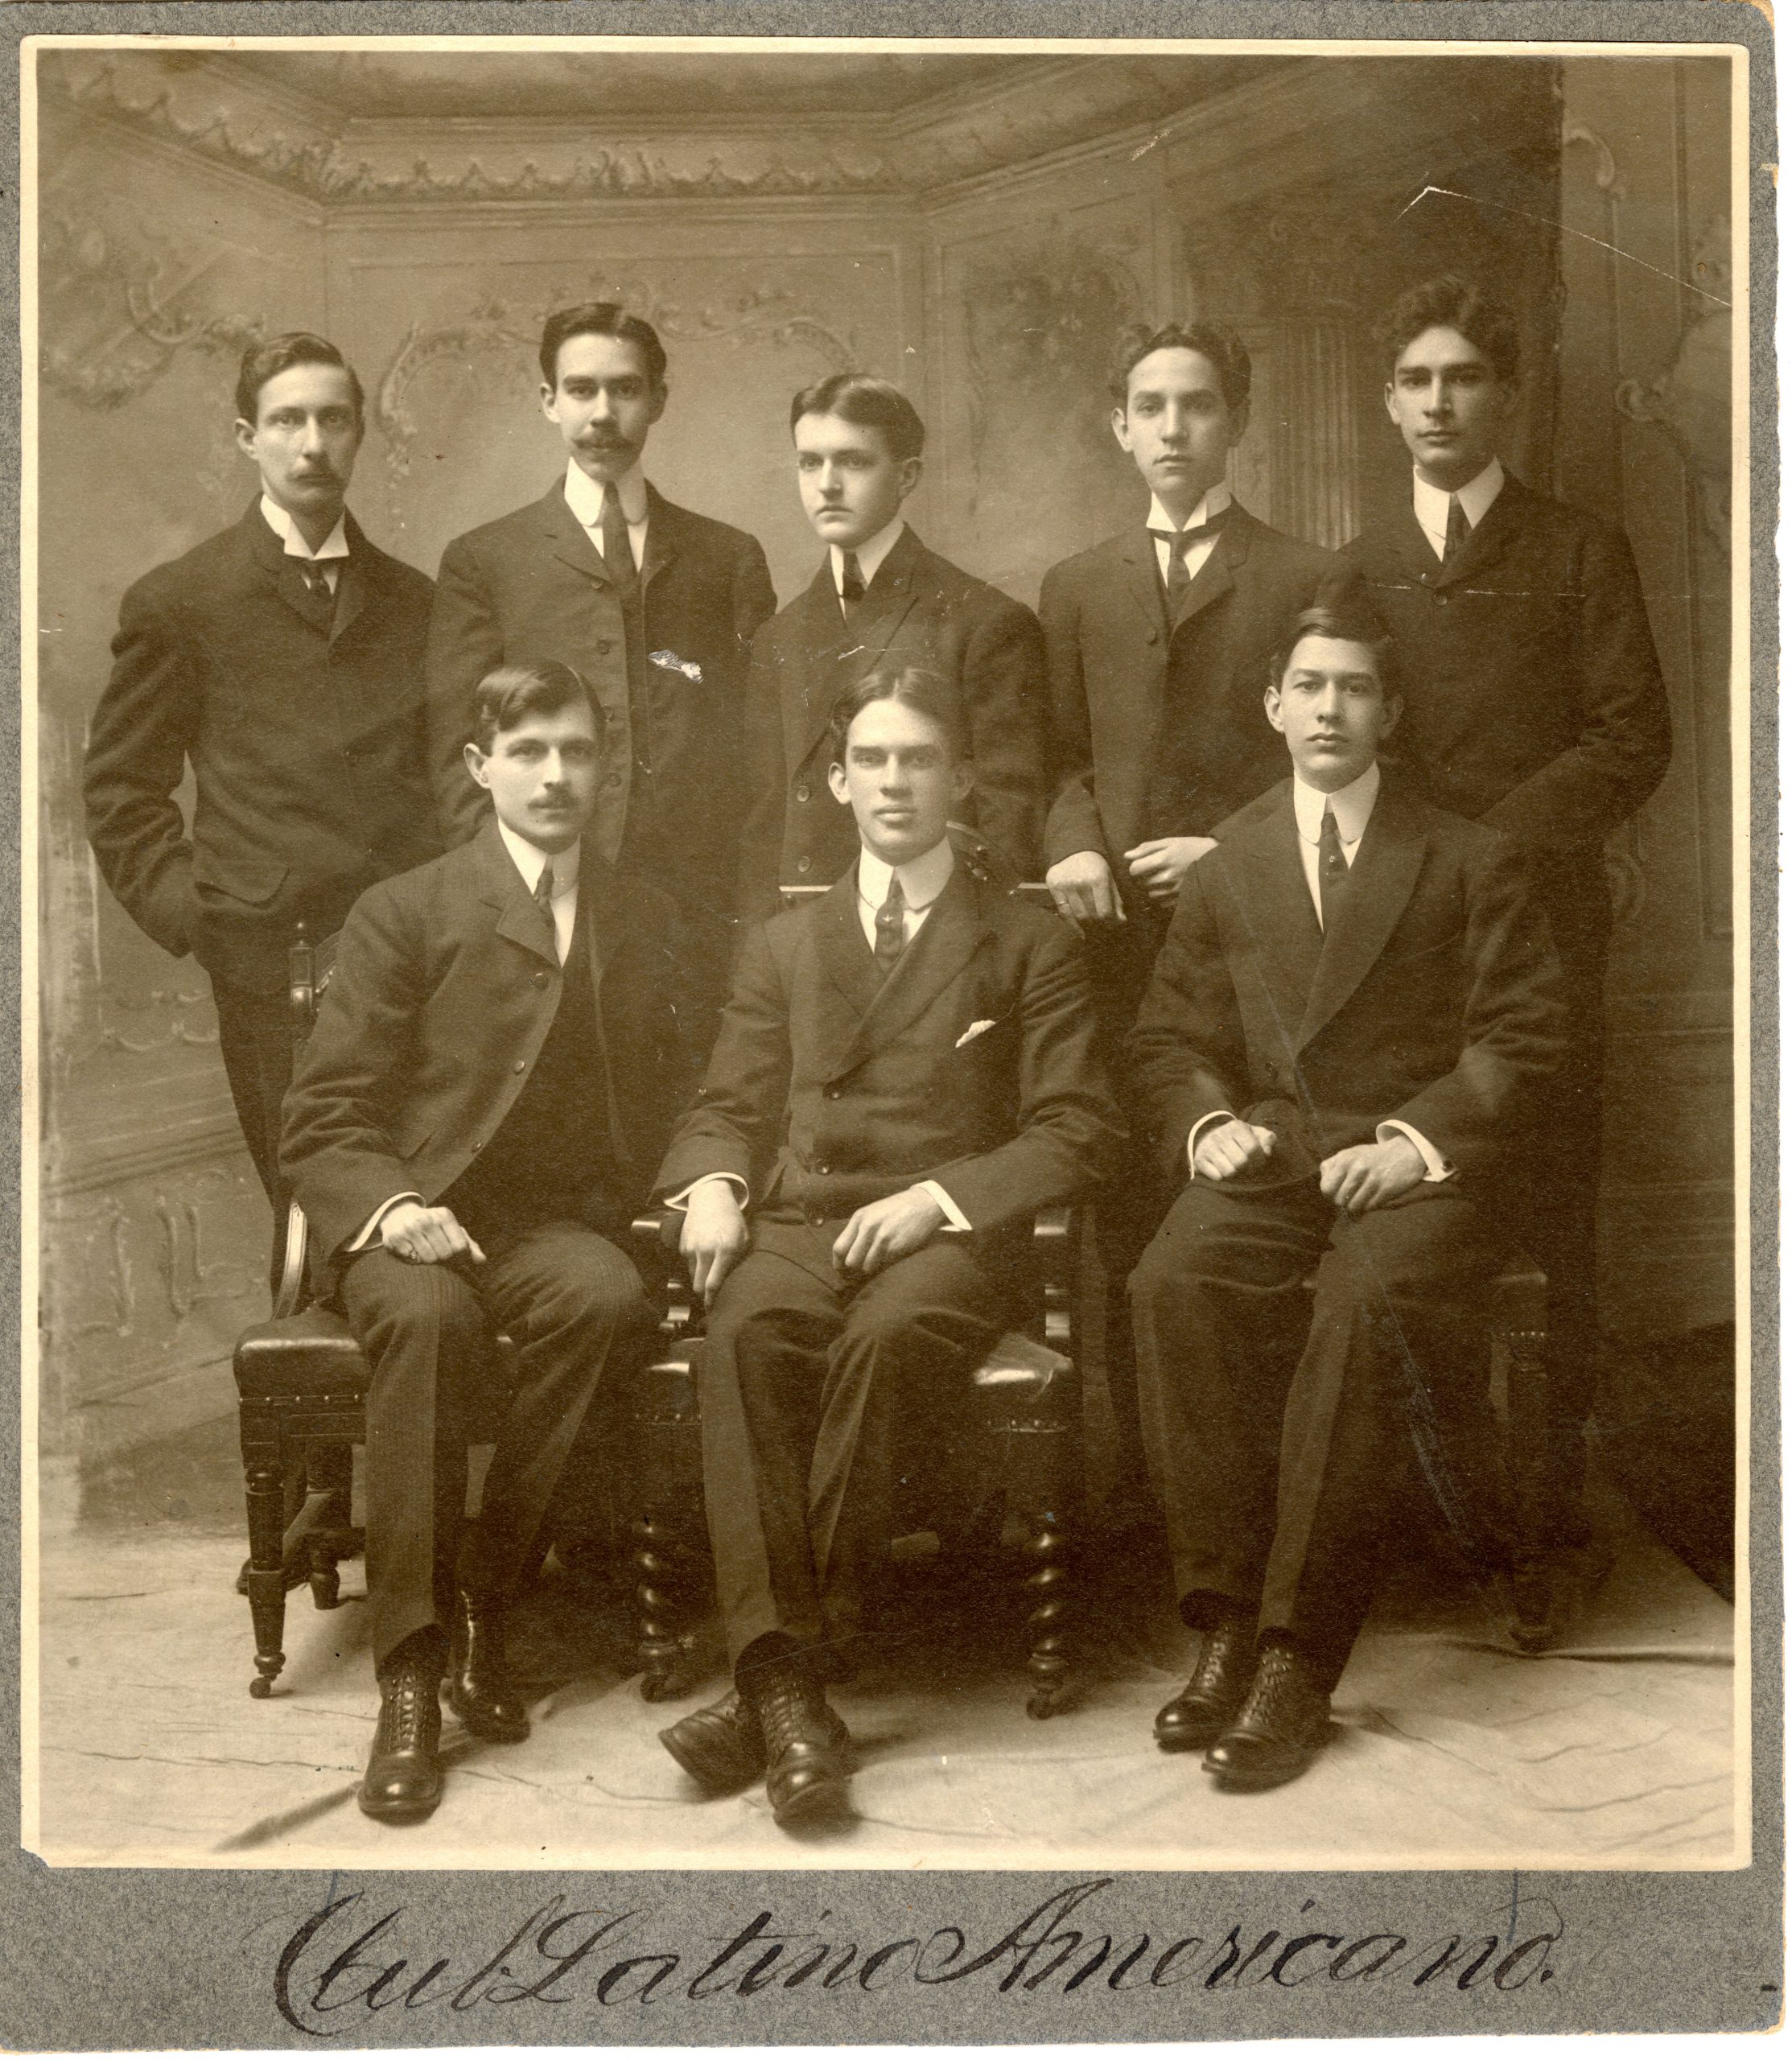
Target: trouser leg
[[255, 1043]]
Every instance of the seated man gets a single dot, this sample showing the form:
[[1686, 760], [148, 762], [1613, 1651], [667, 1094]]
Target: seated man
[[490, 1076], [1340, 1052], [914, 1048]]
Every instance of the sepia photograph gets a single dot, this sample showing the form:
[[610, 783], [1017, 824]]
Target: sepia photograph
[[888, 997]]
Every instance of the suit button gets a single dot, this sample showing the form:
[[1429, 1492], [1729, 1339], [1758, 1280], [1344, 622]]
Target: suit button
[[615, 780], [1440, 599], [833, 1094], [802, 791], [479, 1144], [520, 1066], [541, 979], [603, 648], [824, 1168], [1150, 636], [802, 863]]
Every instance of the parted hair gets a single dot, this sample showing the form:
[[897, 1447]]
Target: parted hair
[[1222, 349], [928, 693], [1352, 620], [1452, 302], [262, 362], [512, 694], [601, 317], [872, 403]]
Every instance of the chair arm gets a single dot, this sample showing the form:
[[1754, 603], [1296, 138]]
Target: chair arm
[[291, 1290]]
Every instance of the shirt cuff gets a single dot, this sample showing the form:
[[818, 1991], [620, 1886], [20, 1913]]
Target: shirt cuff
[[1213, 1116], [682, 1199], [1437, 1167], [369, 1229], [949, 1208]]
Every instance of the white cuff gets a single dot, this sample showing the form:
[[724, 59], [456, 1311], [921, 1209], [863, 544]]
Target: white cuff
[[371, 1227], [953, 1213], [1213, 1116], [682, 1199], [1437, 1167]]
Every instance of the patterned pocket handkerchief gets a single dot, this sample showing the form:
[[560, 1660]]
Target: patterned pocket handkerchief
[[976, 1030], [674, 664]]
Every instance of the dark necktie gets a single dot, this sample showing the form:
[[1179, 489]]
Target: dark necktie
[[852, 584], [317, 585], [888, 945], [619, 557], [543, 898], [1334, 872], [1178, 579], [1455, 531]]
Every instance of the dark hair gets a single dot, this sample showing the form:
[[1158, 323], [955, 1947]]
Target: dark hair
[[512, 694], [601, 318], [1449, 302], [929, 693], [262, 362], [1219, 346], [872, 403], [1349, 621]]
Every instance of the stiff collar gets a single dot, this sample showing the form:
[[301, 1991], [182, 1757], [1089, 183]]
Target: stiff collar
[[1431, 505], [871, 555], [529, 859], [335, 545], [1215, 501], [585, 497], [1351, 805], [924, 879]]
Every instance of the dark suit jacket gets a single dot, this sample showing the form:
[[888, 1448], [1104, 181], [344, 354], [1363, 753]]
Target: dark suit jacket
[[1534, 696], [1435, 998], [531, 586], [827, 1091], [1158, 729], [920, 610], [307, 747], [445, 985]]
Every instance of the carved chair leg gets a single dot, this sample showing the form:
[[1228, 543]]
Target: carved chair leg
[[265, 1488], [1527, 1414], [329, 1474], [671, 1591], [1047, 1587]]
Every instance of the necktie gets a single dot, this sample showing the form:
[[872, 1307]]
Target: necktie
[[619, 557], [543, 897], [852, 582], [1177, 580], [317, 584], [888, 946], [1334, 872], [1455, 531]]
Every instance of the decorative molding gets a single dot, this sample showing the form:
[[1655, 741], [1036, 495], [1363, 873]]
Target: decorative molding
[[1626, 875], [88, 1289], [188, 1278], [1606, 176]]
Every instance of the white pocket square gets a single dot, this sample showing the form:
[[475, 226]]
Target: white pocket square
[[976, 1030], [674, 664]]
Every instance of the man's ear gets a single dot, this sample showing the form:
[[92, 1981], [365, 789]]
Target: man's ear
[[837, 783], [245, 434], [1122, 435], [1387, 402], [908, 477], [548, 393], [1272, 705], [964, 778], [475, 763]]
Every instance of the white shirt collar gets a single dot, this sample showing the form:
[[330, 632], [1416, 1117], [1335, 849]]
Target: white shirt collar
[[1215, 501], [585, 496], [871, 555], [529, 859], [923, 879], [335, 545], [1351, 805], [1432, 503]]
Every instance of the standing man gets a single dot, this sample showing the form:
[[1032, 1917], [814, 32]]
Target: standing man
[[881, 598], [913, 1050], [1536, 706], [1339, 1053], [653, 606], [490, 1076], [282, 661]]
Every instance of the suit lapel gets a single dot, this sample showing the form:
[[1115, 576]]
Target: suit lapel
[[356, 583], [1137, 558], [821, 641], [665, 536], [1273, 915], [850, 981], [1486, 540], [281, 572], [501, 888], [1214, 581], [888, 600], [944, 944], [1381, 884], [567, 538]]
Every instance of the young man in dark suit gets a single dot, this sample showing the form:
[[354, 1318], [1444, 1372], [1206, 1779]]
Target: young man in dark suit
[[880, 598], [656, 607], [913, 1050], [1341, 1052], [1536, 705], [492, 1075], [283, 661]]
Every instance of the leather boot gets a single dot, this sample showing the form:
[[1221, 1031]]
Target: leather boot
[[1191, 1720], [403, 1781], [480, 1693], [1286, 1719], [806, 1766], [722, 1747]]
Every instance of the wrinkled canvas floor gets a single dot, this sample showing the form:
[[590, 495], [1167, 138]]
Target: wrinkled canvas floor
[[1448, 1747]]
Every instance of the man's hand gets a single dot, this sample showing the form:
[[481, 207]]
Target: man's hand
[[1365, 1176], [425, 1236], [884, 1231], [1235, 1147], [714, 1236], [1159, 863], [1082, 885]]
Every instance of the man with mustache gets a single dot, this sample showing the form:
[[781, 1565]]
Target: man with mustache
[[281, 660], [653, 606]]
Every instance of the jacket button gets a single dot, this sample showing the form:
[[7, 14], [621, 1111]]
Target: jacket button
[[833, 1094], [541, 979], [603, 647], [824, 1168], [520, 1066], [479, 1144], [615, 780], [1150, 636], [802, 790], [802, 863], [1440, 599]]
